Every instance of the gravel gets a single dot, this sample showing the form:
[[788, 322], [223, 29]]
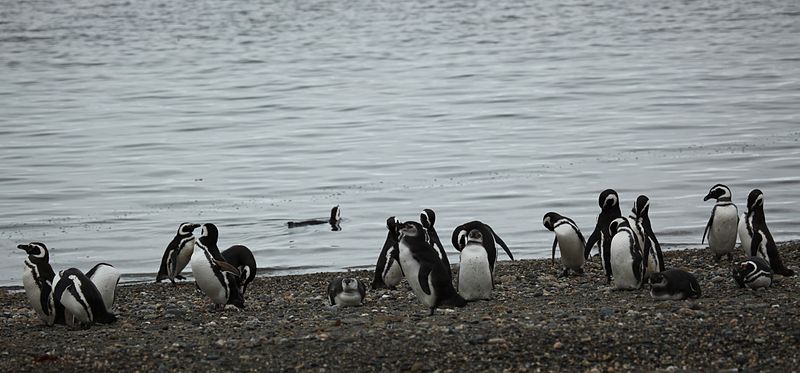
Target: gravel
[[536, 322]]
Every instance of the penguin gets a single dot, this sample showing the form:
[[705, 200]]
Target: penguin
[[334, 221], [387, 271], [105, 278], [38, 279], [746, 221], [424, 271], [83, 303], [626, 256], [177, 254], [213, 275], [242, 258], [723, 224], [428, 218], [674, 284], [754, 273], [570, 242], [609, 210], [477, 258], [763, 245], [647, 238], [346, 292]]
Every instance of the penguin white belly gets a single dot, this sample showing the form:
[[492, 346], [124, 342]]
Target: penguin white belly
[[393, 275], [722, 234], [411, 269], [622, 262], [184, 257], [570, 246], [105, 279], [34, 293], [348, 299], [206, 280], [474, 274], [761, 282], [744, 235], [761, 250], [79, 308]]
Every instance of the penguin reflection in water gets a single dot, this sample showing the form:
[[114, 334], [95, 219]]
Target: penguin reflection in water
[[569, 241], [423, 269], [334, 220], [476, 243], [214, 276]]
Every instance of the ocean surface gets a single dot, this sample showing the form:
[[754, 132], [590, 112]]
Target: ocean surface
[[121, 119]]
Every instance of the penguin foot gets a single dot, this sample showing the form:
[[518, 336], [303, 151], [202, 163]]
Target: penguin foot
[[179, 277]]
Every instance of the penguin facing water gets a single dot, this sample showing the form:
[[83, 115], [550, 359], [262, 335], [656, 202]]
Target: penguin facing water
[[177, 254], [476, 243], [569, 240], [602, 235], [213, 275], [723, 224], [387, 271]]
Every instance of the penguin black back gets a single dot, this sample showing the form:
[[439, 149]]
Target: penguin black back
[[490, 238], [81, 288], [609, 210], [762, 236], [427, 219], [242, 258], [169, 261], [389, 255], [641, 210]]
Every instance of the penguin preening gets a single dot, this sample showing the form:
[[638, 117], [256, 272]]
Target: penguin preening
[[653, 257], [83, 303], [609, 210], [476, 243], [723, 224], [213, 275], [427, 219], [387, 270], [177, 254], [242, 259], [569, 239]]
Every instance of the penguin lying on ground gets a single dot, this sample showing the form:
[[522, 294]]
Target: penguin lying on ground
[[83, 303], [346, 292], [674, 284], [753, 273]]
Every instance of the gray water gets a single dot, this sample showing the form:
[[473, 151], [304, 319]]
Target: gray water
[[121, 119]]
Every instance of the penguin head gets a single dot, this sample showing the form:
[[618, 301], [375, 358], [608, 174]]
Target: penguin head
[[658, 279], [608, 199], [186, 229], [475, 235], [336, 215], [718, 192], [616, 224], [209, 233], [550, 220], [236, 298], [427, 218], [37, 251], [755, 199], [411, 229], [349, 284], [641, 206], [462, 239]]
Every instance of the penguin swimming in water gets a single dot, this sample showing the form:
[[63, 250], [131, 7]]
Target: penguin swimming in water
[[177, 254], [476, 243], [38, 280], [723, 224], [609, 210], [387, 271], [83, 303], [424, 271], [213, 275], [105, 278], [428, 218], [346, 292], [570, 241], [674, 284], [627, 262], [647, 238], [334, 221], [753, 273], [762, 244], [242, 258]]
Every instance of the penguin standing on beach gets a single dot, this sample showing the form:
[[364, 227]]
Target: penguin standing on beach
[[423, 269], [83, 303], [242, 259], [37, 278], [213, 275], [647, 238], [602, 235], [177, 254], [387, 271], [346, 292], [476, 243], [627, 262], [428, 218], [762, 244], [674, 284], [723, 223], [753, 273], [105, 278], [570, 242]]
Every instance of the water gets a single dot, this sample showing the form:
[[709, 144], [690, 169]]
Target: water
[[121, 119]]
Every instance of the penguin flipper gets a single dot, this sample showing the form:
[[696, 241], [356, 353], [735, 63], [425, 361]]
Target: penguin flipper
[[502, 244], [424, 272], [553, 257], [226, 267], [710, 221], [755, 243], [593, 239]]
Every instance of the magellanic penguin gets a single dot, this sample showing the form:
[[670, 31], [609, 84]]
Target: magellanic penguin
[[242, 258], [569, 240], [387, 271], [753, 273], [476, 243], [746, 222], [423, 269], [428, 218], [83, 303], [38, 280], [626, 255], [674, 284], [346, 292], [334, 220], [651, 249], [763, 245], [609, 210], [213, 275], [105, 278], [723, 223], [177, 254]]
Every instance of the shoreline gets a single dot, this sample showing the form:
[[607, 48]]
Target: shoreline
[[535, 322]]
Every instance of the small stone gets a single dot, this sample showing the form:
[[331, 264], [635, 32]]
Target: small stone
[[558, 345], [478, 339], [497, 341]]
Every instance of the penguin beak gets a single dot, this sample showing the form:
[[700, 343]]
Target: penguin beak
[[707, 197], [23, 247]]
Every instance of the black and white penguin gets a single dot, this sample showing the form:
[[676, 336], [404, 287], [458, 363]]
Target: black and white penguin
[[424, 271], [626, 255], [746, 222], [346, 292], [753, 273], [37, 278], [242, 258], [83, 303], [213, 275], [105, 278], [428, 218], [569, 239], [763, 245], [674, 284], [609, 210], [387, 271], [177, 254], [651, 249], [723, 223], [476, 243], [334, 220]]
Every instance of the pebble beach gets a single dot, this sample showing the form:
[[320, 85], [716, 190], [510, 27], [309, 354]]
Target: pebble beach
[[535, 322]]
